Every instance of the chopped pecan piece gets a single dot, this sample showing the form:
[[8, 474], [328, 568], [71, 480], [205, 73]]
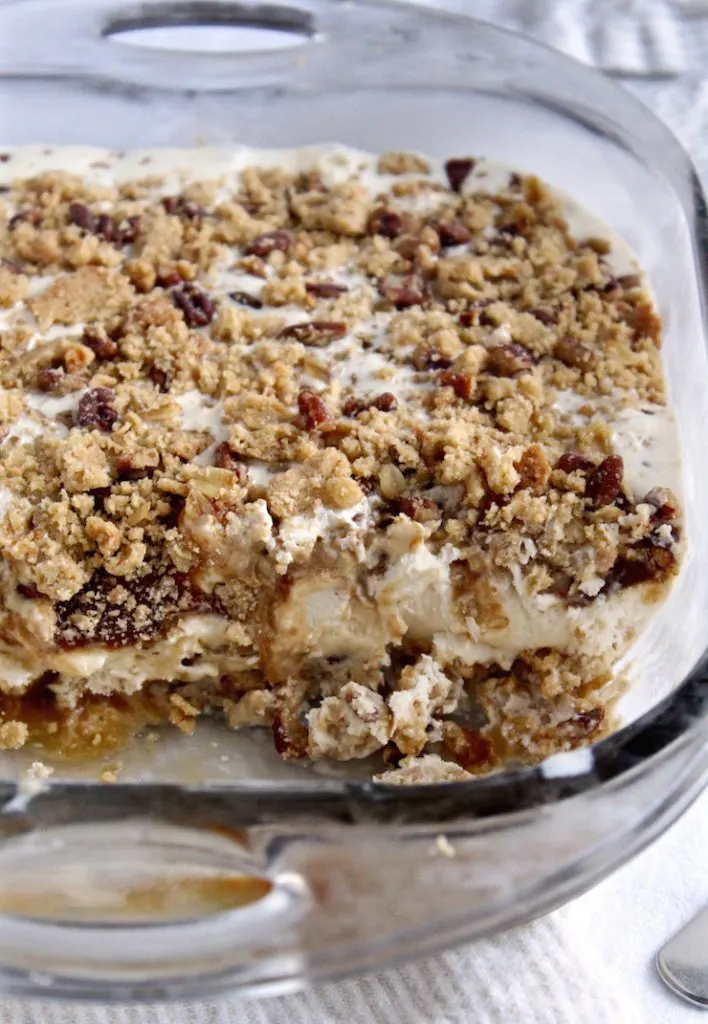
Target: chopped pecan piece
[[643, 563], [317, 333], [425, 357], [96, 409], [572, 462], [126, 230], [584, 724], [312, 409], [158, 377], [81, 216], [226, 458], [475, 314], [515, 222], [102, 224], [485, 318], [180, 206], [457, 170], [574, 353], [453, 232], [271, 241], [49, 379], [353, 406], [325, 289], [626, 282], [409, 291], [506, 360], [386, 402], [664, 501], [58, 381], [490, 499], [246, 299], [104, 227], [386, 222], [197, 306], [289, 737], [168, 277], [605, 482], [461, 383], [95, 338], [543, 316], [423, 510]]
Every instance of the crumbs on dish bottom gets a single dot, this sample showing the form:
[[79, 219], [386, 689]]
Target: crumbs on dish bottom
[[370, 452]]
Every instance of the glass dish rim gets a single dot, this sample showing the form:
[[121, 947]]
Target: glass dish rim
[[502, 793]]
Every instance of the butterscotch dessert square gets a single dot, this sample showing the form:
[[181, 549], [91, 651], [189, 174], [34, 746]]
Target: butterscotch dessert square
[[372, 452]]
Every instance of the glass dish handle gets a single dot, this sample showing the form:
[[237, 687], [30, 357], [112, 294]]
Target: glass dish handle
[[130, 889], [230, 44]]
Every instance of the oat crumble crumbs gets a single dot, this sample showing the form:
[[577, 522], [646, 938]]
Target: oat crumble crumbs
[[298, 451]]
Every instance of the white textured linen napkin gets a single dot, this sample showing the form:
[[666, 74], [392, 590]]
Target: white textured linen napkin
[[591, 962], [627, 37]]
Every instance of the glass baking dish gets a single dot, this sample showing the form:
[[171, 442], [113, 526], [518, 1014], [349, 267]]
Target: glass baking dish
[[211, 865]]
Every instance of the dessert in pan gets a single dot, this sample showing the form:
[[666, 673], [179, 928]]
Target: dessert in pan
[[373, 452]]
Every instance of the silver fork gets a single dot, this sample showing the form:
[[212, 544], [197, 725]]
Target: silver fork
[[683, 962]]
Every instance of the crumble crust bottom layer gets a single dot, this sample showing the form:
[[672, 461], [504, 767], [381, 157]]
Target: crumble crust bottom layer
[[373, 452]]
